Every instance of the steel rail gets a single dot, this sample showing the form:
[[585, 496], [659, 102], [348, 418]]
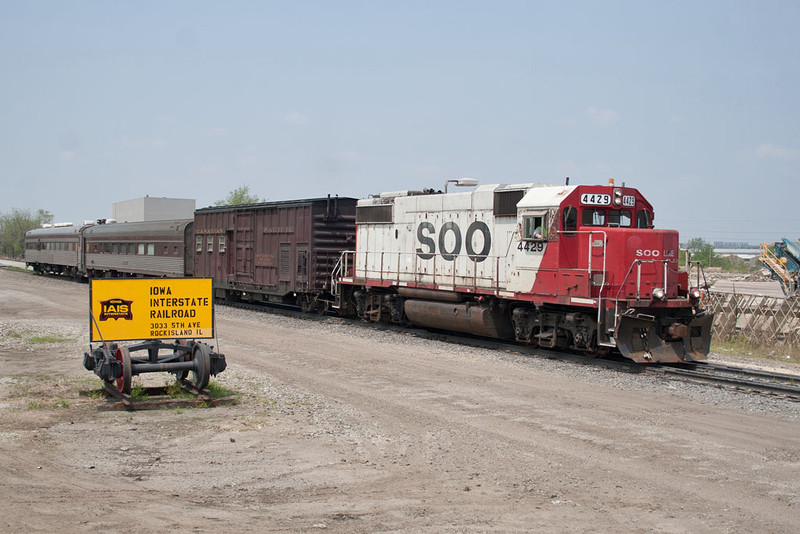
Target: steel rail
[[741, 378]]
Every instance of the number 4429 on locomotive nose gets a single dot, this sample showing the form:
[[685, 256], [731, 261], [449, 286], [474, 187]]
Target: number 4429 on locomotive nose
[[570, 267]]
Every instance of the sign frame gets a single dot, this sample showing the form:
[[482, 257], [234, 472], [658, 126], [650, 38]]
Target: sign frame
[[129, 309]]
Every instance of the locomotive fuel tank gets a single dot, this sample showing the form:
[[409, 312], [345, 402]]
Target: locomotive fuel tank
[[466, 317]]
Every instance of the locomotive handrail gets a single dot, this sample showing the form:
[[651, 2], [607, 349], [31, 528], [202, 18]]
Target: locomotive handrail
[[699, 271], [342, 266], [603, 280], [589, 266], [382, 263], [638, 264]]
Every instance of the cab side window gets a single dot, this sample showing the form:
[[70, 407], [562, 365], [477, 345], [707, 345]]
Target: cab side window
[[533, 227], [569, 219], [643, 219]]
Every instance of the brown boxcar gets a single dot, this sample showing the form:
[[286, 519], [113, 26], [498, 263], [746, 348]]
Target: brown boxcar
[[281, 252]]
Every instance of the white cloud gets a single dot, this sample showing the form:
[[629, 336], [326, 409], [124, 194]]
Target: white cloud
[[67, 155], [602, 167], [602, 116], [158, 143], [153, 143], [250, 162], [346, 155], [768, 150], [296, 118], [218, 132], [568, 168]]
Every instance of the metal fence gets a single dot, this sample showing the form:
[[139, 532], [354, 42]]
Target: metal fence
[[763, 321]]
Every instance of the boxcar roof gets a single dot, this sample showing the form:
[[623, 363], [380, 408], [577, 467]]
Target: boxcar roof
[[278, 203]]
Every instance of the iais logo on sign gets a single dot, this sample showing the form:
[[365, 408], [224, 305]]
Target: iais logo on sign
[[116, 309]]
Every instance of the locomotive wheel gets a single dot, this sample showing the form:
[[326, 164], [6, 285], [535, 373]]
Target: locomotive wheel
[[201, 355], [124, 382]]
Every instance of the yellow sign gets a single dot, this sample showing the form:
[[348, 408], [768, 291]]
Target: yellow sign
[[151, 308]]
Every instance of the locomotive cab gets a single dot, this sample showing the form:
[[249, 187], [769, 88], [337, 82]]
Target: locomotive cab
[[611, 255]]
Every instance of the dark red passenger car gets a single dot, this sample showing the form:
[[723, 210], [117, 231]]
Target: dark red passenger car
[[281, 252]]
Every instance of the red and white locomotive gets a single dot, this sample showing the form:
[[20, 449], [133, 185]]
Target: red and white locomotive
[[558, 266]]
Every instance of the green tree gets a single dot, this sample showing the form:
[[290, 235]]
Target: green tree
[[13, 227], [702, 251], [237, 197]]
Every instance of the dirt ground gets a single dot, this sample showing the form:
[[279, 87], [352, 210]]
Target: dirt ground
[[344, 429]]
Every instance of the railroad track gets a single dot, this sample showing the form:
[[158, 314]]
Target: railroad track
[[752, 381], [157, 398], [782, 385]]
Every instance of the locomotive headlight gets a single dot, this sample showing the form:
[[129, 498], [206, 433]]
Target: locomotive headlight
[[618, 196], [694, 294], [659, 294]]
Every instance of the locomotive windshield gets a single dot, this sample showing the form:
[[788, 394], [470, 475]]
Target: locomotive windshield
[[608, 217]]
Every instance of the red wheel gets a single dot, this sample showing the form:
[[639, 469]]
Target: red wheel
[[124, 382]]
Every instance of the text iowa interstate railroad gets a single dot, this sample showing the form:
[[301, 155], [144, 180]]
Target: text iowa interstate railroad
[[130, 309]]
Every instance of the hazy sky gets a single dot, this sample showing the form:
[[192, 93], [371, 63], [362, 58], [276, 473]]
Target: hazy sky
[[694, 103]]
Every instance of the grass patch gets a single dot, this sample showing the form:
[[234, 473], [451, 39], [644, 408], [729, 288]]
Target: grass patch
[[38, 405], [743, 348], [138, 393], [47, 339], [31, 338], [175, 391], [217, 391]]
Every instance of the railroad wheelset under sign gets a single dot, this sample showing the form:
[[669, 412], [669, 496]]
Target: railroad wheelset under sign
[[115, 364]]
